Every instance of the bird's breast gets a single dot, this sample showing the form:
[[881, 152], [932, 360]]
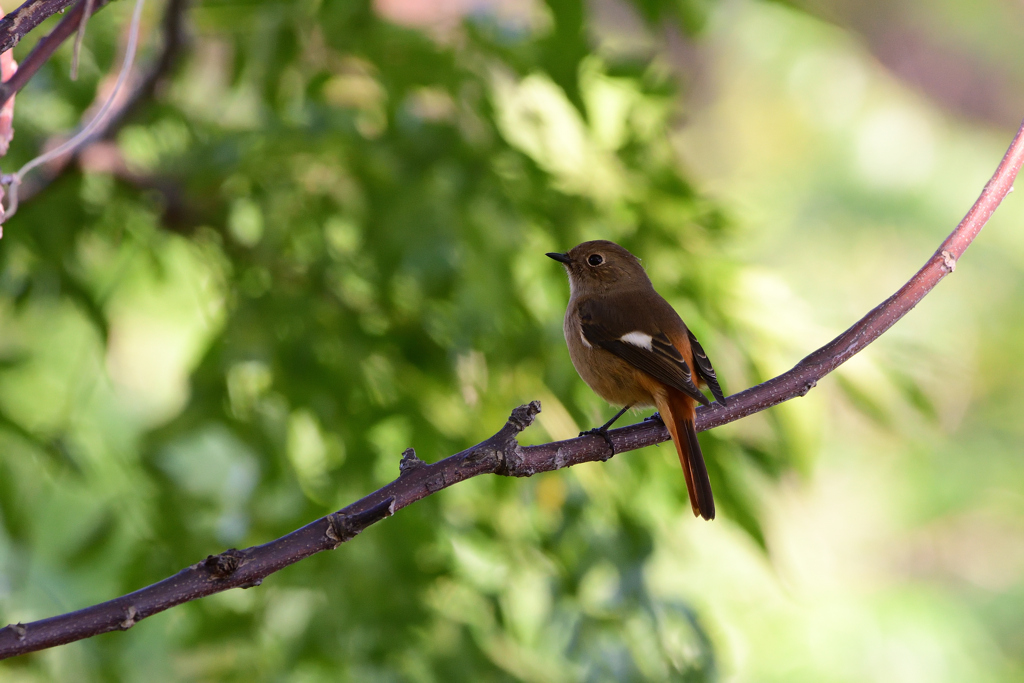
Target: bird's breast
[[610, 377]]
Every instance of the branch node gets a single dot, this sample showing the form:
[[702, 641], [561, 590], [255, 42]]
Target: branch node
[[410, 461], [948, 261], [251, 584], [487, 450], [19, 630], [523, 416], [506, 448], [223, 565], [129, 618], [561, 458], [808, 385], [342, 527], [436, 482]]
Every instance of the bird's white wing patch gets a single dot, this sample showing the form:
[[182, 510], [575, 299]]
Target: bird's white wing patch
[[583, 338], [640, 339]]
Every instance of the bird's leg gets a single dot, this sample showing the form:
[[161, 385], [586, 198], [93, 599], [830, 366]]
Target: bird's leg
[[602, 431], [609, 423]]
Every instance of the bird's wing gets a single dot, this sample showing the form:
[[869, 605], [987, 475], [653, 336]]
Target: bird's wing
[[629, 334], [704, 368]]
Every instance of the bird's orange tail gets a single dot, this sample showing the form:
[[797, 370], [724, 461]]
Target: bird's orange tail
[[678, 411]]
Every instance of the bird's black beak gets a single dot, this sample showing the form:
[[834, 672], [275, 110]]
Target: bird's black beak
[[563, 258]]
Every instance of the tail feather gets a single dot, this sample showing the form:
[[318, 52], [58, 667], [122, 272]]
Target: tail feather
[[678, 411]]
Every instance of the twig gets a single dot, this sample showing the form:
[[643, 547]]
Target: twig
[[79, 138], [174, 40], [501, 454], [79, 37], [21, 21], [46, 46], [8, 67]]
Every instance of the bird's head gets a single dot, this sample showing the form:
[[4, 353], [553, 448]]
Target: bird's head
[[597, 265]]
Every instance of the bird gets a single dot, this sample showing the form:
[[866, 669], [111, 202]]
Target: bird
[[632, 348]]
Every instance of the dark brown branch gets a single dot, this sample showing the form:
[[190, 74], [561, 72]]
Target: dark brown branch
[[46, 46], [501, 454], [246, 568], [21, 21]]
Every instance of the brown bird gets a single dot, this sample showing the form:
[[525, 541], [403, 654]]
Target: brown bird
[[632, 348]]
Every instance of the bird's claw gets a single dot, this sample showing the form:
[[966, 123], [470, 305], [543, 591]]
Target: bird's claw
[[654, 418], [603, 433]]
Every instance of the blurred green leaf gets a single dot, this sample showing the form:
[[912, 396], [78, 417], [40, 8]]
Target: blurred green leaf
[[328, 246]]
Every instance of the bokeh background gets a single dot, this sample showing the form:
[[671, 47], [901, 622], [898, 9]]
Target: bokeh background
[[321, 242]]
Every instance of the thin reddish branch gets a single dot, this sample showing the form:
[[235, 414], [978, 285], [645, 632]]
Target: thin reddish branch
[[8, 67], [501, 454], [807, 372]]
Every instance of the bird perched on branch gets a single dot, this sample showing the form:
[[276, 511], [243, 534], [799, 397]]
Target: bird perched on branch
[[632, 348]]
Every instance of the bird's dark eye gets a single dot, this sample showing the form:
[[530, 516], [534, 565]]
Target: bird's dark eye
[[595, 260]]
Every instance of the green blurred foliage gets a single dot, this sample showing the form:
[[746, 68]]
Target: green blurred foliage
[[349, 262], [356, 266]]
